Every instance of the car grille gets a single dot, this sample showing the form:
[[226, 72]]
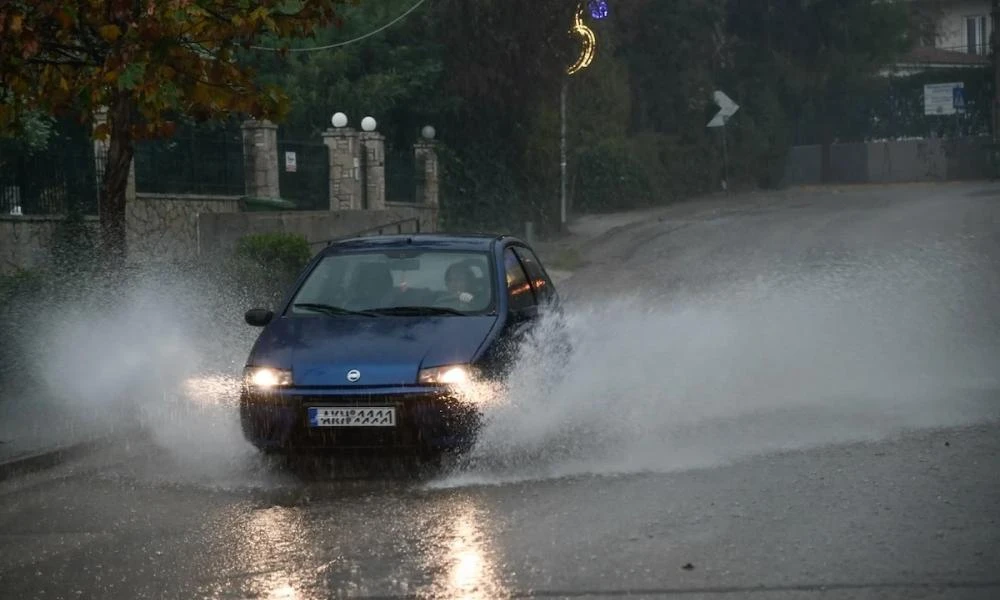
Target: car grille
[[419, 416]]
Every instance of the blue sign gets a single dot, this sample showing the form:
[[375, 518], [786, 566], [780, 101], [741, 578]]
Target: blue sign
[[958, 98], [598, 9]]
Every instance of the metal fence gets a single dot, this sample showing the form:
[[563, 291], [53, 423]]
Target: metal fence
[[62, 178], [893, 108], [198, 160], [193, 162], [304, 173], [400, 174]]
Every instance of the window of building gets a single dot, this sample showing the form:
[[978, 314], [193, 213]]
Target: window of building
[[977, 34]]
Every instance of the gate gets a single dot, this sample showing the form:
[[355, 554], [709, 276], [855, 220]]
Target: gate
[[304, 173], [400, 175]]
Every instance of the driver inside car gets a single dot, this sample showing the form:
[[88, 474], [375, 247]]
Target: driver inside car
[[460, 281]]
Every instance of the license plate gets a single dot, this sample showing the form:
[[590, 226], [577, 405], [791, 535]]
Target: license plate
[[352, 416]]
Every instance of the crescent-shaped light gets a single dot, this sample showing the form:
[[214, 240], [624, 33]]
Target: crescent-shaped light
[[589, 47]]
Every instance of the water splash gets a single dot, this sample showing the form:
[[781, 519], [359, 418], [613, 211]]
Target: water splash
[[157, 359], [858, 351]]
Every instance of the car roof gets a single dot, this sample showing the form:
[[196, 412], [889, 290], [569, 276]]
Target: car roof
[[441, 241]]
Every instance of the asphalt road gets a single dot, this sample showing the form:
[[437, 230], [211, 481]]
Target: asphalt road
[[888, 488]]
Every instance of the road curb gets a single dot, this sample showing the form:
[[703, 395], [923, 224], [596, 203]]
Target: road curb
[[37, 461]]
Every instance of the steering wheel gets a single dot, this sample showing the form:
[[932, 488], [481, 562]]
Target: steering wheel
[[455, 298]]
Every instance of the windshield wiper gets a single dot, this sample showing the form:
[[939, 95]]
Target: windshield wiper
[[329, 309], [415, 311]]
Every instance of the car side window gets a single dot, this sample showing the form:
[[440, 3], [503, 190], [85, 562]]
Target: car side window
[[519, 292], [540, 280]]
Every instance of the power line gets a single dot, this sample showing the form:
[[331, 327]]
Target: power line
[[351, 41]]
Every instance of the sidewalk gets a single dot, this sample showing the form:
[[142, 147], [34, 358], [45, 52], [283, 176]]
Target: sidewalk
[[38, 435], [566, 253]]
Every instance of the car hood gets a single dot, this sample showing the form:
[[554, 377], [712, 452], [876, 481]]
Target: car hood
[[386, 350]]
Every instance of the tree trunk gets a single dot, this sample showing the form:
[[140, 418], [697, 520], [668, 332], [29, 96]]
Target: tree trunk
[[115, 184]]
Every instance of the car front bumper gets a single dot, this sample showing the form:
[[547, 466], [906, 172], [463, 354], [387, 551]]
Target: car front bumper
[[427, 419]]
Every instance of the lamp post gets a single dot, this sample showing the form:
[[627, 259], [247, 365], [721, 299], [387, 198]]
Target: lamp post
[[995, 35], [588, 49], [562, 155]]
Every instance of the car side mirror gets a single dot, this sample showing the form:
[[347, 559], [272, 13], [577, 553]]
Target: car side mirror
[[258, 317]]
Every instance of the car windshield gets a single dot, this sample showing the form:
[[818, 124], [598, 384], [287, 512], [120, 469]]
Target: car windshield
[[390, 282]]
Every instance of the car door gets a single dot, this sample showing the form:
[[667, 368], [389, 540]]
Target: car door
[[522, 308], [522, 304], [556, 333]]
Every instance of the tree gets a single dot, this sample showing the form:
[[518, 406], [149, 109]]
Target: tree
[[393, 76], [485, 74], [816, 57], [137, 65]]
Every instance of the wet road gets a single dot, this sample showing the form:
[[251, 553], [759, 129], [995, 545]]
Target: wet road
[[900, 512], [907, 518]]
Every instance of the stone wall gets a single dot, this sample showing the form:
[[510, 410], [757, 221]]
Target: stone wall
[[158, 228], [26, 241], [891, 162], [171, 228], [218, 233], [165, 227]]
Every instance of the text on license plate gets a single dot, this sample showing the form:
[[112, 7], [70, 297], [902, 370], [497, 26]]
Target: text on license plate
[[352, 416]]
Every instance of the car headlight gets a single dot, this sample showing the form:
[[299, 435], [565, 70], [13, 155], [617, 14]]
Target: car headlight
[[267, 378], [447, 375]]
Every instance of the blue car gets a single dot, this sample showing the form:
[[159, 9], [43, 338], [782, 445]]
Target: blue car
[[383, 341]]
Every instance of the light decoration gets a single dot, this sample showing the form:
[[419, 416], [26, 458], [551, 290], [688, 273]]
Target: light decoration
[[589, 48], [598, 9]]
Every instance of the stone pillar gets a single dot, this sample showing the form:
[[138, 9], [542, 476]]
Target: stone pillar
[[260, 159], [343, 147], [427, 173], [373, 147]]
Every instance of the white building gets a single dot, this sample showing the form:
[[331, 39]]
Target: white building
[[955, 33], [964, 26]]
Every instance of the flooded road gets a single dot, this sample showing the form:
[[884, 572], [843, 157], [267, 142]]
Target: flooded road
[[785, 396]]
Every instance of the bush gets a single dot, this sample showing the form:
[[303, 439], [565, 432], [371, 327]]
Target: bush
[[477, 191], [680, 168], [609, 178], [275, 251], [267, 263]]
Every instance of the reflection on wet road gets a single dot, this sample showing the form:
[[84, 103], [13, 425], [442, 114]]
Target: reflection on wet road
[[317, 542]]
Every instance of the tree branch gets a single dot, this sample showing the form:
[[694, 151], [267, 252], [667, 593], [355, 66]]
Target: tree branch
[[52, 61]]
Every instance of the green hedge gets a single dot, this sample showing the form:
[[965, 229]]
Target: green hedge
[[275, 251], [266, 264], [609, 177]]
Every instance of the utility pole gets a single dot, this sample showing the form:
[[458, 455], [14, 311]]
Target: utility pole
[[562, 155], [725, 162]]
